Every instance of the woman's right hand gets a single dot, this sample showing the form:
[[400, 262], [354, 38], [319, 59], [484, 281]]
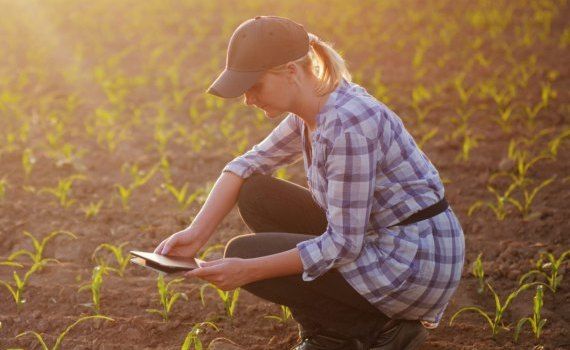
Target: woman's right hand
[[182, 243]]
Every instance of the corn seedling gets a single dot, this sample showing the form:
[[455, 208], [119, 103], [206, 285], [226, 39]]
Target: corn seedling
[[117, 251], [536, 322], [495, 321], [193, 339], [229, 298], [68, 154], [504, 118], [532, 113], [206, 253], [28, 161], [39, 246], [167, 296], [528, 198], [3, 186], [463, 93], [164, 167], [95, 286], [284, 317], [125, 194], [479, 273], [182, 196], [10, 263], [63, 190], [59, 340], [554, 144], [553, 278], [523, 162], [547, 93], [499, 208], [140, 177], [17, 290], [468, 144], [92, 209], [282, 174]]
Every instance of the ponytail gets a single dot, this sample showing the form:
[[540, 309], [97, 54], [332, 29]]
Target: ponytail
[[328, 65], [323, 62]]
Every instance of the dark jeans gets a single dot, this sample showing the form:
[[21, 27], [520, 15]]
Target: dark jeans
[[283, 214]]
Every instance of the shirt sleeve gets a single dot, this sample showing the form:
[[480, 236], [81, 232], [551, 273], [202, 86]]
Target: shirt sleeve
[[281, 147], [351, 176]]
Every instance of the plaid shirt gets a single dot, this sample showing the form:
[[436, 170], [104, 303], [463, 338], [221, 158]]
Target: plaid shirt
[[367, 173]]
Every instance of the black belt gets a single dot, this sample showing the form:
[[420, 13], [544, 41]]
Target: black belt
[[425, 213]]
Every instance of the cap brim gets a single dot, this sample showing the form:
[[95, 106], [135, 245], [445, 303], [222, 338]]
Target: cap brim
[[232, 83]]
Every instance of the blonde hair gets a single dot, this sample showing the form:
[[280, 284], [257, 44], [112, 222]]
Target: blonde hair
[[323, 62]]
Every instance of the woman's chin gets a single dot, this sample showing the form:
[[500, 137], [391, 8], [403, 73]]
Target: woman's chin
[[272, 114]]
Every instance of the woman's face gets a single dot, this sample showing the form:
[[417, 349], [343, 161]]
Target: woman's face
[[271, 93]]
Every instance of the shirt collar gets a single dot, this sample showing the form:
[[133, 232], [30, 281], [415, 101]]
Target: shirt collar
[[330, 105]]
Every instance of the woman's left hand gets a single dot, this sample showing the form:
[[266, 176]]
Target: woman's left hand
[[226, 274]]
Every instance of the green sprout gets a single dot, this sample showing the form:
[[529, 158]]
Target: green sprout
[[477, 271], [39, 247], [17, 290], [182, 196], [499, 208], [28, 161], [528, 198], [208, 251], [229, 298], [495, 321], [95, 286], [167, 296], [59, 340], [536, 322], [284, 317], [63, 190], [192, 338], [117, 251], [3, 186], [92, 209], [553, 278]]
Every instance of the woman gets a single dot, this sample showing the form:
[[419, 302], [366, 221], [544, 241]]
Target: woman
[[366, 258]]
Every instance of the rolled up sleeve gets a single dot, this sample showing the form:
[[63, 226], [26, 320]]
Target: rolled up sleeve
[[281, 147], [351, 175]]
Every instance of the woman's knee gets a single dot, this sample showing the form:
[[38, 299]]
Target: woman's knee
[[251, 189], [240, 247]]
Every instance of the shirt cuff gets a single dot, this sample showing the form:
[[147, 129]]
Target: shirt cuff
[[239, 167], [314, 263]]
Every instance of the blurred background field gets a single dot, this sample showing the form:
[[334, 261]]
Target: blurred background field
[[104, 122]]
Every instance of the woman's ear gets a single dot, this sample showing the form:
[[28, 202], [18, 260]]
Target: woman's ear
[[293, 72]]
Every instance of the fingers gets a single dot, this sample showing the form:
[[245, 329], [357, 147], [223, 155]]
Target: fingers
[[158, 249]]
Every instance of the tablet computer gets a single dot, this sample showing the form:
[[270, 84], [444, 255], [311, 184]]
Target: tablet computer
[[164, 263]]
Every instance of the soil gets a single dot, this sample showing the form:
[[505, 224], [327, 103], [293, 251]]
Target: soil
[[53, 300]]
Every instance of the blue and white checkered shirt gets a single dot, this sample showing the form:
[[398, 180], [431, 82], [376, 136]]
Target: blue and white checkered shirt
[[367, 173]]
